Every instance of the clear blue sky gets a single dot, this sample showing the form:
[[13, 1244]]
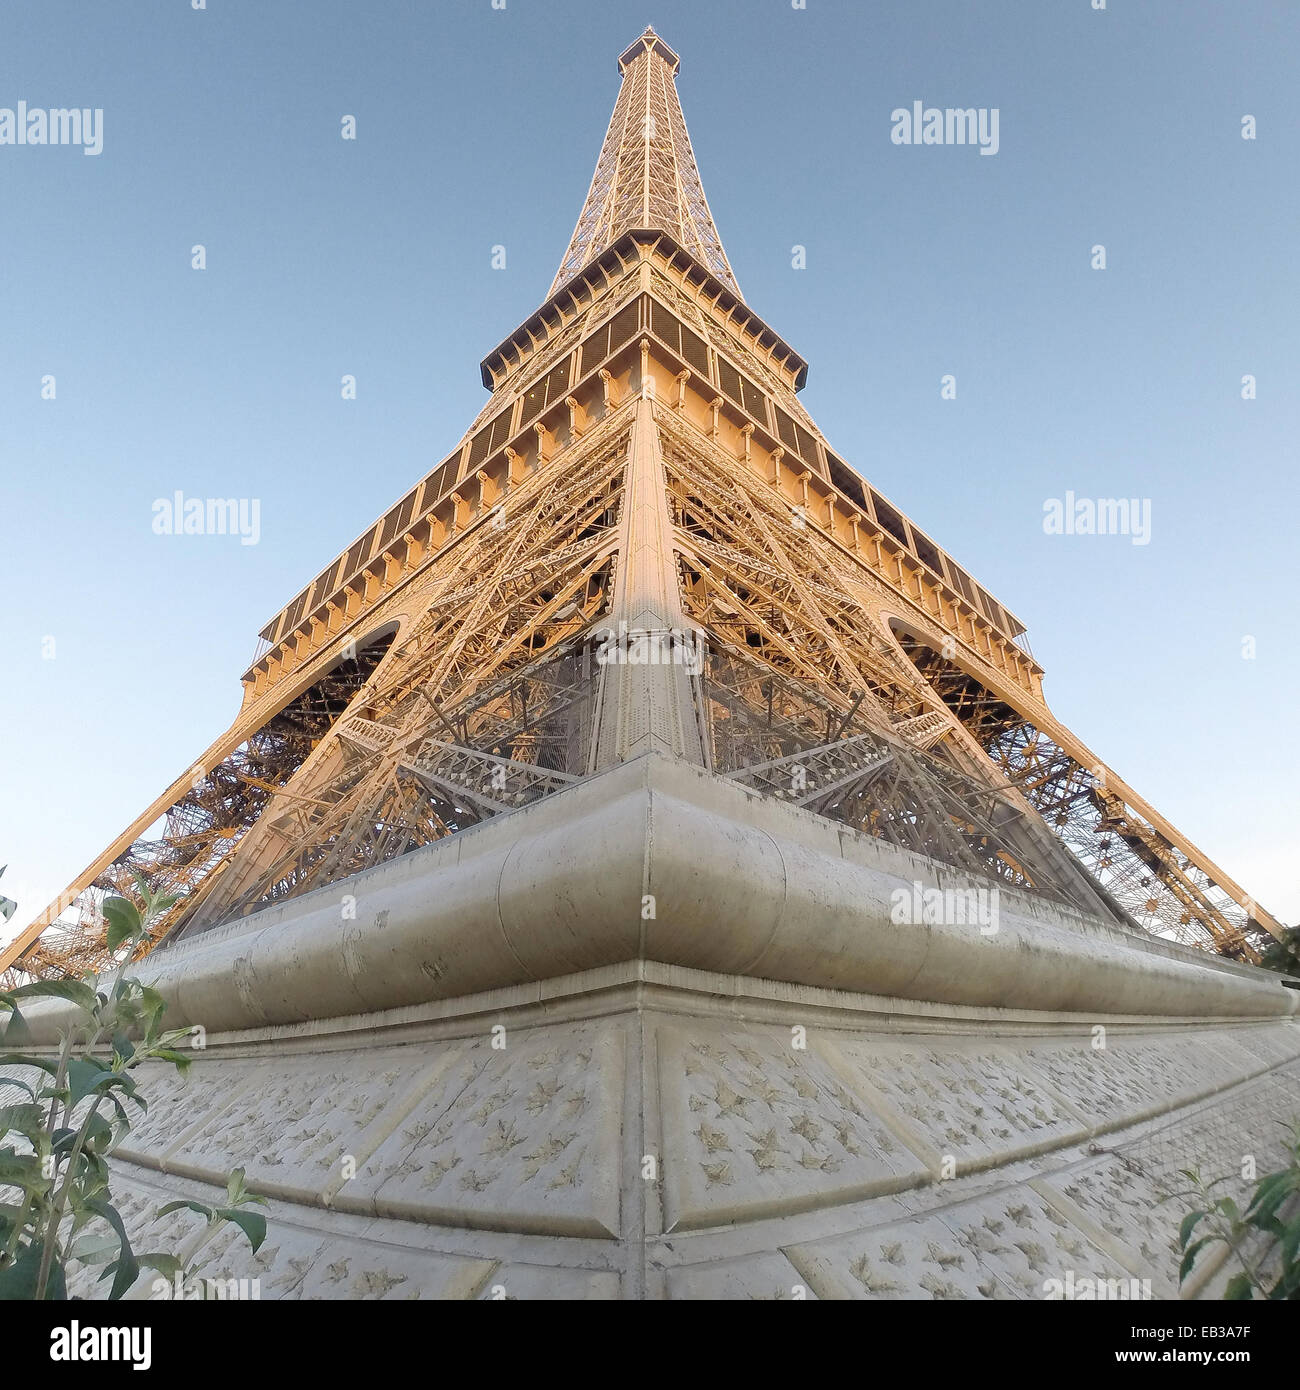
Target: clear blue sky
[[478, 126]]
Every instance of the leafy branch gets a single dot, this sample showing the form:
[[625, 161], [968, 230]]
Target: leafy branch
[[1273, 1212], [58, 1139]]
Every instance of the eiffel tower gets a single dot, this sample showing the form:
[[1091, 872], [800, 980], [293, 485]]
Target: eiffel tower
[[643, 483], [644, 850]]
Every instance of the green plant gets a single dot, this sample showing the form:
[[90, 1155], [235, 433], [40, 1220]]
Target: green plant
[[1273, 1213], [251, 1223], [1283, 953], [7, 905], [55, 1143]]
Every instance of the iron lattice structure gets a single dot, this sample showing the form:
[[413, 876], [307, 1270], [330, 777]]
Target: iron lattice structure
[[643, 543], [646, 174]]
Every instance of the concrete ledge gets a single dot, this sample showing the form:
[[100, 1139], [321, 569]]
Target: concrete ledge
[[657, 860]]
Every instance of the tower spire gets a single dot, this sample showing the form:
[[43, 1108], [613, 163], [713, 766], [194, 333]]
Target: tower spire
[[646, 177]]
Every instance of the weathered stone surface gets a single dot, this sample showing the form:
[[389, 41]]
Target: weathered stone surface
[[1003, 1246], [753, 1127], [521, 1139], [779, 1170], [970, 1104]]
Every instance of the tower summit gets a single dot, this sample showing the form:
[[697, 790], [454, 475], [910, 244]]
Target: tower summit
[[644, 852], [646, 178]]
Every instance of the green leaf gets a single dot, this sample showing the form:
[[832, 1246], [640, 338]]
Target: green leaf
[[1188, 1226], [152, 1008], [179, 1060], [1288, 1286], [123, 1119], [1190, 1254], [93, 1249], [63, 1139], [27, 1119], [7, 905], [82, 1075], [19, 1280], [1229, 1208], [21, 1059], [154, 904], [1270, 1225], [72, 990], [1272, 1191], [123, 921], [16, 1031], [1290, 1244], [252, 1223], [85, 1078], [164, 1264], [99, 1134], [208, 1213], [22, 1171], [1239, 1288], [94, 1178], [125, 1268]]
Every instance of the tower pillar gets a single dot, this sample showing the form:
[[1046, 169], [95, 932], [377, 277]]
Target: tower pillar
[[648, 654]]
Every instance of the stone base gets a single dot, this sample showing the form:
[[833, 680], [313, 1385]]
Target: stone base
[[656, 1036], [652, 1132]]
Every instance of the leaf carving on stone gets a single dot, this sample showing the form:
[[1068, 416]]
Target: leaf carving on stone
[[375, 1283]]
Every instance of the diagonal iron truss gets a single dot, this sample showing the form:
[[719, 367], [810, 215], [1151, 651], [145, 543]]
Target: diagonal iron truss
[[1161, 887], [484, 707]]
